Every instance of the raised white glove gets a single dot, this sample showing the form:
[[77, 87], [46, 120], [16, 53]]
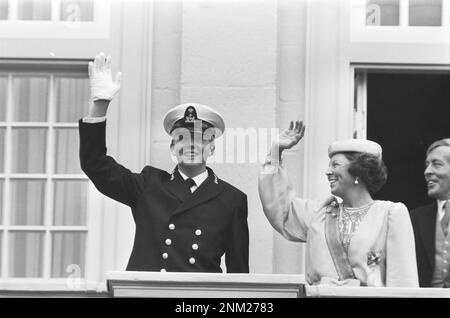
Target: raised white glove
[[102, 85]]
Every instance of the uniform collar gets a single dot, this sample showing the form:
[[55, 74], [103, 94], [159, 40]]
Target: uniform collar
[[209, 190], [198, 178]]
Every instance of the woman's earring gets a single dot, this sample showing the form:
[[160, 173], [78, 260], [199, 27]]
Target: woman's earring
[[356, 181]]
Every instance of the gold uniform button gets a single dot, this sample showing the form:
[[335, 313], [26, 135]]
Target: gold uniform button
[[172, 226], [168, 241], [192, 260], [198, 232], [165, 255], [194, 247]]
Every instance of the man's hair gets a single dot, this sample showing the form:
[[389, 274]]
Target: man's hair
[[438, 143]]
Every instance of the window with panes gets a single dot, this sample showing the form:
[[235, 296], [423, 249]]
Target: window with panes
[[47, 10], [43, 192], [408, 13]]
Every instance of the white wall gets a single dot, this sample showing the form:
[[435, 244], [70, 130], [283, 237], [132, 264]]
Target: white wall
[[288, 257]]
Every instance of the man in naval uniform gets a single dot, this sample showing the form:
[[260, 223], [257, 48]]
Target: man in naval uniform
[[185, 220]]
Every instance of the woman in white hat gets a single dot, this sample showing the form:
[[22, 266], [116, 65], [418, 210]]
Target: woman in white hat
[[356, 241]]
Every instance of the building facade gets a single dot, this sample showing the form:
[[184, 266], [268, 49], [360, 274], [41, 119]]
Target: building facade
[[348, 68]]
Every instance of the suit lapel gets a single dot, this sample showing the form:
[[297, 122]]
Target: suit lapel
[[427, 227], [176, 186], [209, 189]]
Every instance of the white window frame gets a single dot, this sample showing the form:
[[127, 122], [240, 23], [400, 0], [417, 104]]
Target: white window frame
[[99, 28], [94, 202], [403, 33]]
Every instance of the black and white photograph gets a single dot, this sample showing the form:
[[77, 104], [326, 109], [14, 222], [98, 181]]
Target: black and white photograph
[[224, 149]]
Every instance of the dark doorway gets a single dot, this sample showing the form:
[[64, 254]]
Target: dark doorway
[[406, 112]]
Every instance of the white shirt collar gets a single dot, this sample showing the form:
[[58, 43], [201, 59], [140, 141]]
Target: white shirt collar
[[198, 178], [441, 210]]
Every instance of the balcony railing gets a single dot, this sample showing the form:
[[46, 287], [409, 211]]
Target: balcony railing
[[201, 285]]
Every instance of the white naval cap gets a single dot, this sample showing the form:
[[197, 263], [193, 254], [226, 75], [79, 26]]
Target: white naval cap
[[355, 145], [189, 114]]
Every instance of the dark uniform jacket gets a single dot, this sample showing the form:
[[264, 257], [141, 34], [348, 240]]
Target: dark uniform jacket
[[176, 230], [424, 224]]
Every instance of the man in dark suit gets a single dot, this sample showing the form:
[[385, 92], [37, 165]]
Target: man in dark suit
[[185, 220], [431, 222]]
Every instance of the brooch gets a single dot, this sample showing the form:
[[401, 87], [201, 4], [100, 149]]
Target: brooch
[[374, 258], [332, 208]]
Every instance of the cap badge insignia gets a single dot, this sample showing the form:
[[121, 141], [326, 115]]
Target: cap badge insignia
[[190, 115]]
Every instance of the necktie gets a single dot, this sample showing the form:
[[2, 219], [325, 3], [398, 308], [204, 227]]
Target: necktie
[[447, 281], [190, 183], [445, 220]]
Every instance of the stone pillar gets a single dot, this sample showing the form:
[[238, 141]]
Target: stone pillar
[[288, 256]]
